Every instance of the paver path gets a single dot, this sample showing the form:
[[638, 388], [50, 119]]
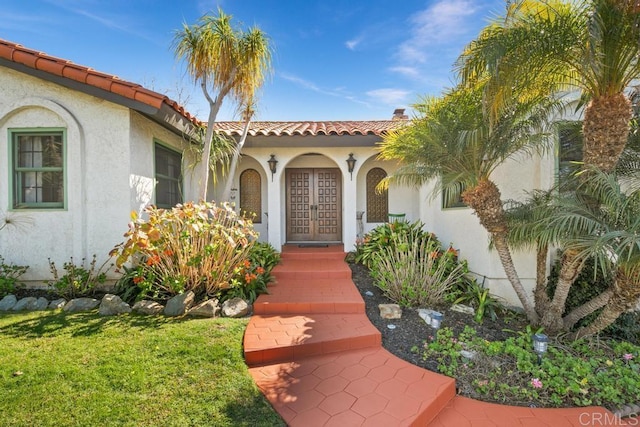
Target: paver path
[[316, 357]]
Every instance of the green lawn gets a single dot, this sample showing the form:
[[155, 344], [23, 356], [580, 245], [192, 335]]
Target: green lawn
[[87, 370]]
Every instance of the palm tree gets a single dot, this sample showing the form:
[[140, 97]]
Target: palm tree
[[453, 141], [553, 46], [607, 231], [225, 61]]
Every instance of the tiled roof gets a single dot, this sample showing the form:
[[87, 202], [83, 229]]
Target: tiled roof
[[60, 67], [374, 127]]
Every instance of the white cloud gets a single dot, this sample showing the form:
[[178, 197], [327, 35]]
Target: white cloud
[[411, 72], [389, 96], [352, 44], [338, 92], [441, 23]]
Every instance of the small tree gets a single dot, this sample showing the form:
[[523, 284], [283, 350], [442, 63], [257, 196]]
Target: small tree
[[225, 62]]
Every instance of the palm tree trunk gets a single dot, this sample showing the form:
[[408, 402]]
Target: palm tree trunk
[[540, 297], [586, 309], [234, 162], [606, 130], [607, 317], [485, 200], [569, 270]]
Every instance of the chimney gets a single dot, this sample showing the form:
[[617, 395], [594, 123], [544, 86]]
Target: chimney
[[398, 114]]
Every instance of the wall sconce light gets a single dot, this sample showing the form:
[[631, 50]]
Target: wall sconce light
[[351, 164], [272, 165], [540, 345]]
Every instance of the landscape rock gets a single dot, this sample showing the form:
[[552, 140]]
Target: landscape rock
[[425, 314], [209, 308], [390, 311], [179, 304], [461, 308], [41, 304], [28, 303], [57, 303], [148, 307], [8, 302], [81, 304], [235, 307], [112, 305]]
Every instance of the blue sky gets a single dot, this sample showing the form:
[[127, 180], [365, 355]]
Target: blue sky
[[334, 59]]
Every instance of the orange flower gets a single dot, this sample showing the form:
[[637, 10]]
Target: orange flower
[[138, 279], [260, 270], [153, 260], [247, 263], [168, 252], [247, 278]]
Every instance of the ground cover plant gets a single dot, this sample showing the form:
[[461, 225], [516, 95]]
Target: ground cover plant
[[83, 369]]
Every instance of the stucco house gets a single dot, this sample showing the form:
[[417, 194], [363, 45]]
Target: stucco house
[[83, 149]]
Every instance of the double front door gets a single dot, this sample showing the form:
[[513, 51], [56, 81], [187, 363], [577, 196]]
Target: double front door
[[314, 205]]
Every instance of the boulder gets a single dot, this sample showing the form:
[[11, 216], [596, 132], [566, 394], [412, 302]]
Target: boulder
[[112, 305], [41, 304], [81, 304], [179, 304], [390, 311], [209, 308], [235, 307], [27, 303], [57, 303], [148, 307], [8, 302]]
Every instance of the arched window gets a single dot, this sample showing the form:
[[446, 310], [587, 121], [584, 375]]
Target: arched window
[[377, 203], [251, 194]]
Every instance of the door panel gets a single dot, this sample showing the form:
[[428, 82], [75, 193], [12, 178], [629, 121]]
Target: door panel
[[314, 209]]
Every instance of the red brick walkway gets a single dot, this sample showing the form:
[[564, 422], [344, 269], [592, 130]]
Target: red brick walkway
[[314, 354]]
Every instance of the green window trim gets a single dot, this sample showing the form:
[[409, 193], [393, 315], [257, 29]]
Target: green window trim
[[38, 171], [168, 176]]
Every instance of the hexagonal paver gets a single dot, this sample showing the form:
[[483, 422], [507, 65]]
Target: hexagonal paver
[[391, 388], [361, 387], [337, 403], [370, 404], [332, 385]]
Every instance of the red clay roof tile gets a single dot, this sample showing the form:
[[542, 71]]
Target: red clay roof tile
[[63, 68], [372, 127]]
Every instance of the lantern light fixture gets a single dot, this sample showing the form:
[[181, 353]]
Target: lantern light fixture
[[351, 164], [272, 165], [540, 345]]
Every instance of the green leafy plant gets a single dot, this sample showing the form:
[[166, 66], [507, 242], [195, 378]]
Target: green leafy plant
[[253, 277], [386, 235], [78, 280], [471, 293], [198, 247], [415, 272], [574, 373], [9, 274]]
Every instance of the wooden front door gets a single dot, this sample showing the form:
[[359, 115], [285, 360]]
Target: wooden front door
[[314, 205]]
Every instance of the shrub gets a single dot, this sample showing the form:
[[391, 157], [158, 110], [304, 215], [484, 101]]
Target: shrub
[[77, 281], [9, 274], [386, 236], [254, 276], [415, 271], [471, 293], [198, 247]]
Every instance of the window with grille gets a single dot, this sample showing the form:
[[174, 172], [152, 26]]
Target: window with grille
[[168, 176], [251, 194], [569, 151], [38, 169], [377, 202]]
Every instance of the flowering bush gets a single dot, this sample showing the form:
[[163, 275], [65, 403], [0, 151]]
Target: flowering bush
[[198, 247]]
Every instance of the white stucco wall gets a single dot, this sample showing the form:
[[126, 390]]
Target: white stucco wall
[[109, 168]]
